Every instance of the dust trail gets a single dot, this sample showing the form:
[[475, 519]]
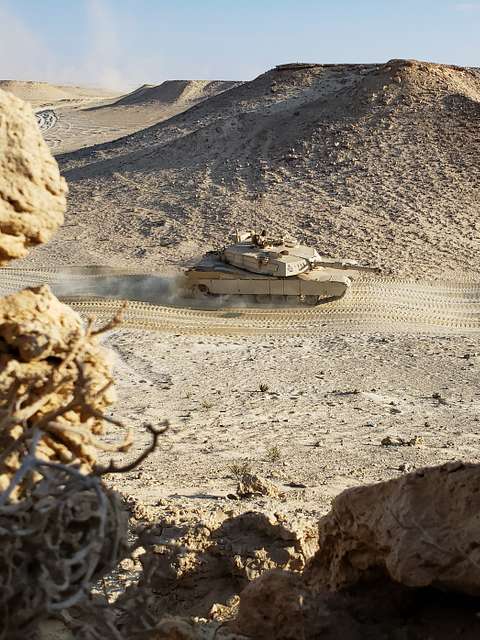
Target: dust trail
[[108, 282], [154, 289]]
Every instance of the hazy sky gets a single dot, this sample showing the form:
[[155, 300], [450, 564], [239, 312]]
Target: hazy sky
[[124, 43]]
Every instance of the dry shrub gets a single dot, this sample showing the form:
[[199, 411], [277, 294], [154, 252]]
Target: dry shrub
[[55, 543], [60, 528], [55, 381]]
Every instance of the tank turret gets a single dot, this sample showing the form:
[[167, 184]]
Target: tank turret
[[279, 257]]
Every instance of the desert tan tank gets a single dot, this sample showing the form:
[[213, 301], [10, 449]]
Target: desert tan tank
[[268, 268]]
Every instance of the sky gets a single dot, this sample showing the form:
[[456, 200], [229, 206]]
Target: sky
[[122, 44]]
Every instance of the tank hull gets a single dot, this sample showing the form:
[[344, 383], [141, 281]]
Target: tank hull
[[224, 280]]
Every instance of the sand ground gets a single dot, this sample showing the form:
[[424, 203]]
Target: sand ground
[[330, 403]]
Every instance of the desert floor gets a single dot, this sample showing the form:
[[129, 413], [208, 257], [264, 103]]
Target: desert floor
[[331, 402]]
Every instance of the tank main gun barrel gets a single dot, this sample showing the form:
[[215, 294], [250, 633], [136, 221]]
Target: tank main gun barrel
[[346, 264]]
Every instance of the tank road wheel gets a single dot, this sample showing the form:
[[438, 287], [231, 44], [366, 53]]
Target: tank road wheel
[[201, 291], [280, 300], [310, 301], [263, 298]]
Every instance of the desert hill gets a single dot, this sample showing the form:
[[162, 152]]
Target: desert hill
[[176, 91], [88, 121], [44, 92], [374, 162]]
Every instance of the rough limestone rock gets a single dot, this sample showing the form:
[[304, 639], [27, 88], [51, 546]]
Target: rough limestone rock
[[382, 550], [196, 565], [32, 192], [53, 377], [422, 529]]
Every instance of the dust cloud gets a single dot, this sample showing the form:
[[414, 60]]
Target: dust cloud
[[156, 289]]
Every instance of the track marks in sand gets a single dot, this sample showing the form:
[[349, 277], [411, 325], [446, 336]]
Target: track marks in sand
[[380, 303], [46, 119]]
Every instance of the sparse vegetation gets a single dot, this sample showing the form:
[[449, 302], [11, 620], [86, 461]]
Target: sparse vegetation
[[274, 454], [439, 398], [240, 469], [264, 387], [207, 404]]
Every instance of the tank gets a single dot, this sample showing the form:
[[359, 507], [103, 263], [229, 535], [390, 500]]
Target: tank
[[272, 269]]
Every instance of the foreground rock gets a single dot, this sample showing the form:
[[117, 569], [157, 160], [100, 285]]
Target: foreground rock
[[398, 555], [196, 564], [32, 192], [253, 485], [54, 378], [419, 530]]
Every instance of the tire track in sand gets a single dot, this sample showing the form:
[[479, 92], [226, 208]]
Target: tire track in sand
[[372, 304]]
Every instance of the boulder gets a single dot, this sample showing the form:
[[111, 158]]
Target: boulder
[[251, 485], [47, 360], [420, 530], [32, 192]]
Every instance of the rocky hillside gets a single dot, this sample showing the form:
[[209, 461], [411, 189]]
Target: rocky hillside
[[376, 162]]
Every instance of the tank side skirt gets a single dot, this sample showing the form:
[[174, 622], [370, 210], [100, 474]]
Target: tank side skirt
[[221, 284]]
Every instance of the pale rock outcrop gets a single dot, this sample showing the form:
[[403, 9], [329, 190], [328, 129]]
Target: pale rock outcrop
[[390, 557], [32, 192], [420, 530], [250, 484]]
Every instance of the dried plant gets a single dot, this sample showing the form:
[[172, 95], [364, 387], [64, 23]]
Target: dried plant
[[56, 542], [61, 529], [240, 469], [274, 454]]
